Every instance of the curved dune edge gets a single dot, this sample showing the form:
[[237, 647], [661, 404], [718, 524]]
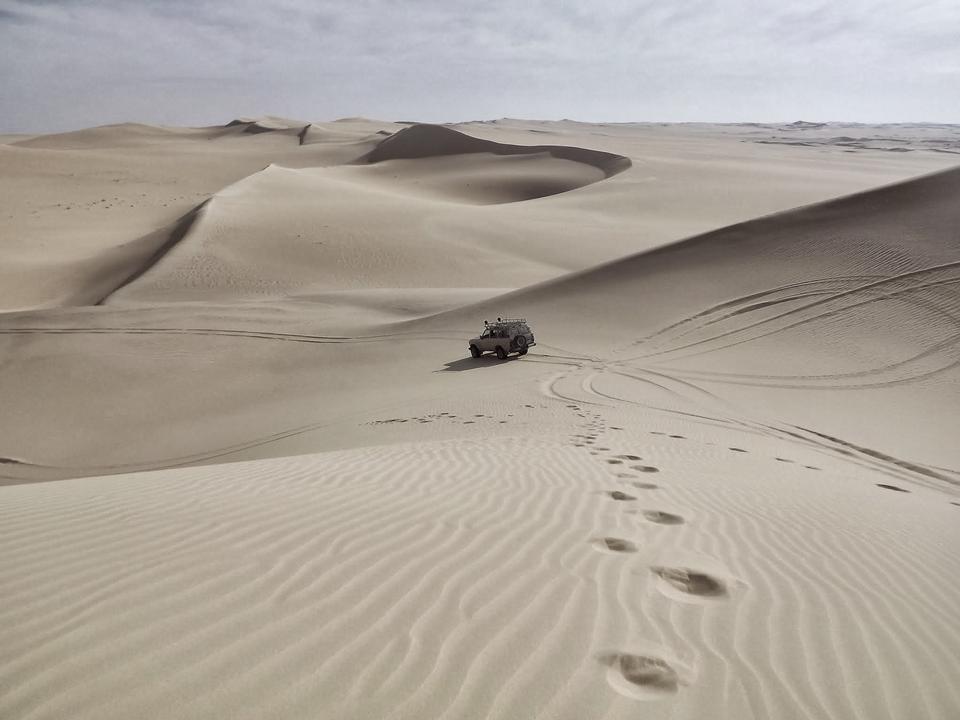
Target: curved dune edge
[[204, 251], [152, 248], [264, 124], [428, 141], [930, 196]]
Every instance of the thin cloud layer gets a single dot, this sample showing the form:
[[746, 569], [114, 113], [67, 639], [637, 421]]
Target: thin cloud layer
[[72, 63]]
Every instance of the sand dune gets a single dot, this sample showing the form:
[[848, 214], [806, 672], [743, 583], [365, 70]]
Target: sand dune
[[348, 234], [723, 483], [483, 178], [107, 136], [70, 212], [843, 299], [265, 124], [423, 141]]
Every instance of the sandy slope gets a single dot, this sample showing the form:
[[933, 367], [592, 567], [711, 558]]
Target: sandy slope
[[723, 484], [476, 579], [830, 316], [82, 210]]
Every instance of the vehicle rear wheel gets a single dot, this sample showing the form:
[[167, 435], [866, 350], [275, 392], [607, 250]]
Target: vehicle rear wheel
[[474, 351], [501, 353], [523, 351]]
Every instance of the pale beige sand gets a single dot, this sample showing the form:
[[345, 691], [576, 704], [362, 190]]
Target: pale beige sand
[[723, 484], [462, 579]]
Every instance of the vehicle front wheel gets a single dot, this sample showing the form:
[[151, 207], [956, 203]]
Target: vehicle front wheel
[[474, 351], [501, 353]]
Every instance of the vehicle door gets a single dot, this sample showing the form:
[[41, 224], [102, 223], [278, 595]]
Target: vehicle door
[[486, 342]]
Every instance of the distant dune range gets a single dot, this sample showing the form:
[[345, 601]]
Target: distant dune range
[[723, 483]]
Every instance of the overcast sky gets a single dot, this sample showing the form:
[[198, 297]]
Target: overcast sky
[[75, 63]]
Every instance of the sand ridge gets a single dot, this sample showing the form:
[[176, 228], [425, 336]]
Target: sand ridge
[[424, 141]]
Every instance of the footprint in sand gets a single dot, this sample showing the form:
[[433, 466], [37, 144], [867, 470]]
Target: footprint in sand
[[678, 437], [640, 676], [629, 457], [786, 460], [662, 518], [738, 450], [645, 468], [617, 495], [691, 582], [892, 487], [811, 467], [614, 545], [644, 486], [614, 462]]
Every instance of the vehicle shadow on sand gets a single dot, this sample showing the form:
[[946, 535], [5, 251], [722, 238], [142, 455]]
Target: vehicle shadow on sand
[[470, 363]]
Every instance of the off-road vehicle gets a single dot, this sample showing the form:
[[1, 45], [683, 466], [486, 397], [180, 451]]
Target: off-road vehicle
[[506, 335]]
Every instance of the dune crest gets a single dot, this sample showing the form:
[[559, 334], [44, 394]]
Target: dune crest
[[428, 141], [117, 135], [448, 164]]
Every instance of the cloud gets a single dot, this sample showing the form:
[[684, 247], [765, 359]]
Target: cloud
[[66, 63]]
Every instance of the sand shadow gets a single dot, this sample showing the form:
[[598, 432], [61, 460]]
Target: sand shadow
[[470, 363]]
